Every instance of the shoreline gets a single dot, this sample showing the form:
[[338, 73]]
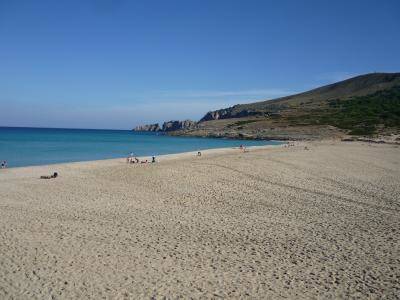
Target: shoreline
[[163, 157]]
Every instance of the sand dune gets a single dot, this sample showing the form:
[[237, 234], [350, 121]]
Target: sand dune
[[271, 223]]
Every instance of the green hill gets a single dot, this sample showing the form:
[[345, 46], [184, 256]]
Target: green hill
[[362, 105], [361, 115]]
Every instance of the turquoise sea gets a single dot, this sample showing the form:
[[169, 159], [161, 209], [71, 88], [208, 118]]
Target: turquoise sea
[[40, 146]]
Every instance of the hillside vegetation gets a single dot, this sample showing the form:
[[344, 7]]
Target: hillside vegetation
[[357, 86], [361, 115], [364, 105]]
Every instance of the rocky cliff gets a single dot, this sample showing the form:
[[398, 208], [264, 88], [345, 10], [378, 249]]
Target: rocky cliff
[[178, 125], [149, 127], [231, 112], [168, 126]]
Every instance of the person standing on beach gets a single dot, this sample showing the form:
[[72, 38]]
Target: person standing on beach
[[129, 159], [4, 164]]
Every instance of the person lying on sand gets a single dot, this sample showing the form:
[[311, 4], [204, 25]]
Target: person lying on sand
[[55, 175], [132, 160]]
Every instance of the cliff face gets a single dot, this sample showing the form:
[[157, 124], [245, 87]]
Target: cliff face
[[149, 127], [231, 112], [168, 126], [178, 125]]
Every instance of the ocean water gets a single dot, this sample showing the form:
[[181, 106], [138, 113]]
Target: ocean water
[[41, 146]]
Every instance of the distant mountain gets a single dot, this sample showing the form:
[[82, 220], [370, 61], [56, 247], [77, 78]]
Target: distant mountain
[[356, 86], [362, 105]]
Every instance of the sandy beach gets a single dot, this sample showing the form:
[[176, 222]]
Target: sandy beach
[[275, 222]]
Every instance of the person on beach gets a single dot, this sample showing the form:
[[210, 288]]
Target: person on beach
[[198, 153], [55, 175], [3, 164], [153, 159]]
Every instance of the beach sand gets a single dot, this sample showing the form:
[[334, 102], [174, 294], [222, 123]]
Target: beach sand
[[276, 222]]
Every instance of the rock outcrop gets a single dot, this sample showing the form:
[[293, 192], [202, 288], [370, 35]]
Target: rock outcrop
[[178, 125], [167, 126], [231, 112], [150, 127]]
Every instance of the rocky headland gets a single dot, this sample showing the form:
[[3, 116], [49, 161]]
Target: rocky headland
[[148, 127], [363, 106], [168, 126]]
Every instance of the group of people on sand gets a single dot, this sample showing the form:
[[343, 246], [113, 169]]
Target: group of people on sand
[[243, 148], [131, 159], [3, 164], [290, 144]]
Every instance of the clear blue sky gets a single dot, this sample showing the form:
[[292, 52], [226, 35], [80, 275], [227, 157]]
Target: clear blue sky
[[117, 63]]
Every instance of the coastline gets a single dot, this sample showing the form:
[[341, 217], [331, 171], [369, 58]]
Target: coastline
[[275, 222], [160, 158]]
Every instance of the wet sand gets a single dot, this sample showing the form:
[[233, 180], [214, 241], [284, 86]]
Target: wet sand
[[276, 222]]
